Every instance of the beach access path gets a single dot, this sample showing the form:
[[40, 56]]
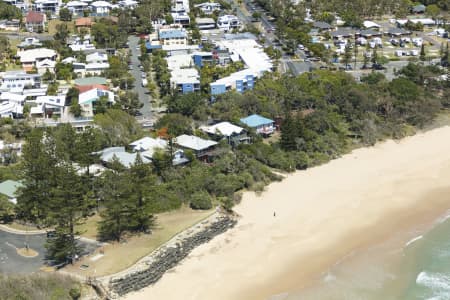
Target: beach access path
[[295, 230]]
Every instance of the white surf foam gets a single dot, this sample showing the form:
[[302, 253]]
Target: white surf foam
[[435, 281], [413, 240]]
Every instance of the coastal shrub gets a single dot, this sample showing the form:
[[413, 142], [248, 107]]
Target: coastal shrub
[[201, 200], [37, 287], [227, 203]]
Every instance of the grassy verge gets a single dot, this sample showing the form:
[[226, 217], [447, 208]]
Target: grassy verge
[[119, 256]]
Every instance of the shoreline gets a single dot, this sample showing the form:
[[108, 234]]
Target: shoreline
[[322, 215]]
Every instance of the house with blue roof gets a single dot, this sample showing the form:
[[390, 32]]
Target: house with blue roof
[[263, 126], [172, 36]]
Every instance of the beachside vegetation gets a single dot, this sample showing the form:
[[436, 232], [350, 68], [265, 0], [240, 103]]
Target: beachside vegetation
[[322, 114], [40, 287]]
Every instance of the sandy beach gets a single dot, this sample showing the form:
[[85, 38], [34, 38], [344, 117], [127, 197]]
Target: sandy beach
[[322, 214]]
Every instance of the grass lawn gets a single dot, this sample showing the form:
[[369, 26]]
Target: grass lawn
[[119, 256], [18, 226], [52, 26]]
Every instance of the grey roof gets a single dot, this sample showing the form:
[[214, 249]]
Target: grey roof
[[125, 158], [194, 142], [322, 25], [397, 31], [419, 8], [341, 32], [369, 32], [9, 188]]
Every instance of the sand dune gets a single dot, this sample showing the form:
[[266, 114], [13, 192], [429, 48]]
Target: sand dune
[[322, 214]]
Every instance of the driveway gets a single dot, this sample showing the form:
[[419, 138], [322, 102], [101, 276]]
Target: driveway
[[142, 92]]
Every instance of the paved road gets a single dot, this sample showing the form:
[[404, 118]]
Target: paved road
[[11, 262], [142, 92]]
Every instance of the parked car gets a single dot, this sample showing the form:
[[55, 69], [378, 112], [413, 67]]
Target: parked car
[[377, 66], [144, 82]]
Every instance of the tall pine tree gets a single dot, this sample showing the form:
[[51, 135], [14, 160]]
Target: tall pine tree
[[67, 208]]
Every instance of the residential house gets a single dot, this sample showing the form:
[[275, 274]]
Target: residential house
[[90, 80], [180, 12], [47, 107], [234, 135], [369, 33], [203, 149], [371, 25], [77, 8], [11, 105], [127, 159], [396, 32], [10, 25], [10, 188], [205, 23], [322, 26], [29, 42], [100, 8], [83, 24], [147, 146], [35, 21], [208, 7], [228, 22], [131, 4], [44, 65], [262, 125], [29, 58], [418, 9], [87, 100], [184, 78], [44, 6], [20, 4], [171, 36], [17, 81], [251, 54], [11, 110], [85, 88], [97, 57]]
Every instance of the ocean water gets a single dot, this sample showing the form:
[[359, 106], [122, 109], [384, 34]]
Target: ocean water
[[410, 266]]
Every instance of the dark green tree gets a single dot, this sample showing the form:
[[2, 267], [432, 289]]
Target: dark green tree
[[67, 209]]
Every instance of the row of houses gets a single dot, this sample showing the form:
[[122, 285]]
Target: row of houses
[[19, 88], [96, 8], [202, 149]]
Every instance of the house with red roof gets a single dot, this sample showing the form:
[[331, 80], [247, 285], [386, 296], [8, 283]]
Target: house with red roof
[[35, 21]]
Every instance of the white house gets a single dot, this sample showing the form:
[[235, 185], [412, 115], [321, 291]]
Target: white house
[[128, 4], [208, 7], [88, 99], [44, 65], [202, 148], [228, 22], [101, 8], [77, 7], [47, 106], [44, 6], [29, 58], [17, 81], [97, 57]]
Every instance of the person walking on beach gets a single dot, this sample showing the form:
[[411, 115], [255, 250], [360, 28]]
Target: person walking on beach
[[274, 214]]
